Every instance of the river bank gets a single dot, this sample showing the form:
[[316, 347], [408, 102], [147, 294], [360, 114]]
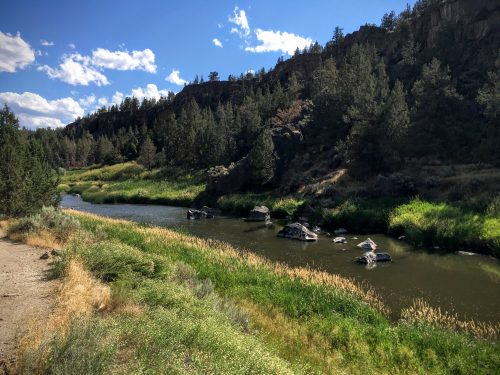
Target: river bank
[[205, 301], [436, 226]]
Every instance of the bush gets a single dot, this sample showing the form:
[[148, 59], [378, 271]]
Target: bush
[[49, 219]]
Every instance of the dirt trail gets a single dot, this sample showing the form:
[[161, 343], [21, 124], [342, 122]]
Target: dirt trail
[[25, 294]]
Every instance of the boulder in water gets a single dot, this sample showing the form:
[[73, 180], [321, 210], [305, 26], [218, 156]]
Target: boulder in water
[[259, 213], [340, 240], [297, 231], [368, 244], [370, 257], [193, 214]]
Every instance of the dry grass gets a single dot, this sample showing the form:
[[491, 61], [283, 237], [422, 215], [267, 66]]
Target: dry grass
[[224, 250], [422, 313], [79, 295]]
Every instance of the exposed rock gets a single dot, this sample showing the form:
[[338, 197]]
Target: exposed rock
[[368, 244], [370, 257], [340, 240], [259, 213], [198, 214], [340, 231], [297, 231], [316, 229], [211, 211], [401, 238], [45, 255]]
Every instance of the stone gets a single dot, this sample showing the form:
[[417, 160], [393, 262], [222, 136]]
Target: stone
[[370, 257], [340, 240], [45, 255], [316, 229], [193, 214], [340, 231], [297, 231], [368, 244], [259, 213]]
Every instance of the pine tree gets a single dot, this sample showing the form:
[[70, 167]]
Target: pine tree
[[147, 155], [261, 160]]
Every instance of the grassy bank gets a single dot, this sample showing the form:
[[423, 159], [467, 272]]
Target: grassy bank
[[449, 226], [131, 183], [180, 304]]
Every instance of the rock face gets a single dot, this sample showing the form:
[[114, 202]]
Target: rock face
[[259, 213], [297, 231]]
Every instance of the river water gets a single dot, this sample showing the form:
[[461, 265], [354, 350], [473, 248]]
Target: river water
[[466, 285]]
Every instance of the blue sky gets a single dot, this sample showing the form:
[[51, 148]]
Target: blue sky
[[62, 59]]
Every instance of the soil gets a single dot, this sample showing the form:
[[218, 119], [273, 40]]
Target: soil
[[25, 295]]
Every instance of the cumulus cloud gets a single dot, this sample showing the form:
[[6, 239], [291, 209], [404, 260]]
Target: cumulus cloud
[[117, 97], [217, 42], [149, 92], [46, 43], [35, 111], [87, 101], [175, 78], [239, 18], [76, 70], [274, 41], [72, 45], [123, 60], [15, 53]]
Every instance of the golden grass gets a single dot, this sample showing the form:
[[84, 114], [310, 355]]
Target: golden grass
[[78, 296], [422, 313], [224, 251]]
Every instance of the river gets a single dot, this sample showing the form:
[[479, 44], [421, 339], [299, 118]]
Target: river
[[466, 285]]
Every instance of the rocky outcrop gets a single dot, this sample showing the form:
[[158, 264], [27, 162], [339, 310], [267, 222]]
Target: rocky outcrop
[[227, 180], [297, 231], [259, 213]]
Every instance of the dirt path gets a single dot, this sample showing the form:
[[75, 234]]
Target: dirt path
[[25, 294]]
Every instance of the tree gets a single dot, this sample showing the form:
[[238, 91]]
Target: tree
[[147, 155], [436, 112], [261, 160], [213, 76], [27, 182], [389, 21]]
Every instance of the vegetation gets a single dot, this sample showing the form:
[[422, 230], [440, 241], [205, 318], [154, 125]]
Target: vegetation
[[132, 183], [443, 225], [27, 182], [207, 307]]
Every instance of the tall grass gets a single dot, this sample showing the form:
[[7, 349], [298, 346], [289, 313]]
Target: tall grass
[[241, 204], [449, 227], [202, 304]]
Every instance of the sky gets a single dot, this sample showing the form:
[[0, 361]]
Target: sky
[[63, 59]]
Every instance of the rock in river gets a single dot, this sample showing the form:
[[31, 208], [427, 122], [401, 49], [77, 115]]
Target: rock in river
[[259, 213], [198, 214], [368, 245], [297, 231], [340, 240], [371, 257]]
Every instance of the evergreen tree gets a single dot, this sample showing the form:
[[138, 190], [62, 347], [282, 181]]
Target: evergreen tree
[[147, 155], [261, 159], [27, 181]]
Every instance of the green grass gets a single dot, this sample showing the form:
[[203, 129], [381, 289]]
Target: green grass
[[449, 227], [208, 308], [241, 204], [131, 183]]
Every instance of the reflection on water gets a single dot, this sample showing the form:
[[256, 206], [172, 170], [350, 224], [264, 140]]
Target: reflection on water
[[467, 285]]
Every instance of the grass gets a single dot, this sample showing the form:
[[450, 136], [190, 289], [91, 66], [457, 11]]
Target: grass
[[131, 183], [449, 227], [241, 204], [181, 304]]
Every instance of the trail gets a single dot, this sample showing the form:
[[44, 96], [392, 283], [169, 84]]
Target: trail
[[25, 295]]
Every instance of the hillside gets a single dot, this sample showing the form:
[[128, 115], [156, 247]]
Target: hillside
[[416, 93]]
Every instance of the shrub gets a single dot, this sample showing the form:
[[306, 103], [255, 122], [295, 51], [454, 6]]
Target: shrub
[[50, 219]]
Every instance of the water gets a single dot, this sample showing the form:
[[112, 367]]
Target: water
[[456, 283]]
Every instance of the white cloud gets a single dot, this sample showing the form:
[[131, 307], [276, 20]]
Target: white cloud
[[87, 101], [102, 101], [123, 60], [46, 43], [273, 41], [35, 111], [15, 53], [72, 45], [175, 78], [150, 91], [217, 42], [239, 18], [117, 97], [251, 71], [76, 70]]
